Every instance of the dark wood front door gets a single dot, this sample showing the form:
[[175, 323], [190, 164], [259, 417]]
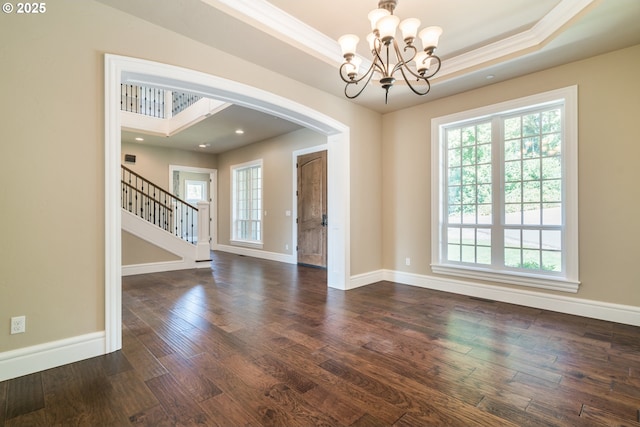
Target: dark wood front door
[[312, 209]]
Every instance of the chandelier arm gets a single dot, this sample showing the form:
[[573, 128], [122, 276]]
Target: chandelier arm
[[433, 73], [402, 62], [416, 91], [377, 59], [349, 83], [348, 79]]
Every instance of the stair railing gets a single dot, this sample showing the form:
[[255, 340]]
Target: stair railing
[[157, 206]]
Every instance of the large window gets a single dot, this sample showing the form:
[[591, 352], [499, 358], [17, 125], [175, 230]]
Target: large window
[[505, 192], [246, 183]]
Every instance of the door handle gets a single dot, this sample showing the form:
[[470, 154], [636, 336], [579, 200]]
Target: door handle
[[324, 220]]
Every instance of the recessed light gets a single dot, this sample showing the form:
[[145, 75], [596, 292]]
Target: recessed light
[[490, 76], [239, 131], [204, 145], [139, 139]]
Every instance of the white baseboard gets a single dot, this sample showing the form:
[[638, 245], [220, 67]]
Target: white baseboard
[[366, 279], [619, 313], [161, 267], [256, 253], [24, 361]]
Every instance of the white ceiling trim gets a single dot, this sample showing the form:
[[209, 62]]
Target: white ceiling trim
[[263, 15], [274, 21]]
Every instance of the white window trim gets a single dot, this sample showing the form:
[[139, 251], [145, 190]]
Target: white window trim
[[253, 244], [567, 283]]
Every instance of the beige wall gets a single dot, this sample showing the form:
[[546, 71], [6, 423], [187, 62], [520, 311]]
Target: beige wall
[[153, 162], [138, 251], [52, 252], [278, 175], [609, 149]]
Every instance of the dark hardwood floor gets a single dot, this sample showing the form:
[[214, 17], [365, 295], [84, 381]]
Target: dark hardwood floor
[[262, 343]]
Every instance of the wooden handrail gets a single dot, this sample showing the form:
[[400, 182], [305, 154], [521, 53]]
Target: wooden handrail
[[148, 196], [157, 186]]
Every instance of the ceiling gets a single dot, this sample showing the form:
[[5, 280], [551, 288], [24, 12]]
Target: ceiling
[[218, 132], [483, 42]]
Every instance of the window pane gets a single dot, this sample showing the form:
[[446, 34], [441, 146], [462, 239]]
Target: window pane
[[551, 239], [531, 213], [531, 169], [483, 237], [552, 261], [484, 133], [484, 193], [485, 215], [551, 121], [468, 236], [469, 214], [483, 174], [513, 192], [468, 254], [531, 239], [469, 136], [454, 157], [552, 190], [551, 144], [453, 235], [483, 153], [551, 168], [469, 194], [454, 176], [512, 128], [455, 196], [512, 150], [531, 147], [455, 214], [531, 191], [531, 259], [453, 138], [469, 175], [512, 238], [513, 214], [484, 255], [512, 257], [469, 156], [552, 214], [453, 252], [531, 124], [513, 171]]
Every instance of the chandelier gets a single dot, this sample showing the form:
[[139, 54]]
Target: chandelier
[[414, 64]]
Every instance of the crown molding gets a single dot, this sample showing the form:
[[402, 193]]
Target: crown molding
[[266, 17], [274, 21]]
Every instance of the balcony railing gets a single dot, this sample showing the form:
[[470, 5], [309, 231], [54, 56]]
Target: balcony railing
[[154, 102]]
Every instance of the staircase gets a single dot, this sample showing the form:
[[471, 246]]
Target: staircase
[[164, 220]]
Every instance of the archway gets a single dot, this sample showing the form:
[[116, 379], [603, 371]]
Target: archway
[[120, 69]]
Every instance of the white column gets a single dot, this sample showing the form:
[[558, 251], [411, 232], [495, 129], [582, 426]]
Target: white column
[[202, 249]]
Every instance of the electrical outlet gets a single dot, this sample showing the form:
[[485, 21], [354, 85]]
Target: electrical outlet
[[18, 325], [407, 261], [286, 247]]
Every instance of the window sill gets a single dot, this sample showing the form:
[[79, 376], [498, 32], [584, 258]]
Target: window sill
[[512, 278], [247, 244]]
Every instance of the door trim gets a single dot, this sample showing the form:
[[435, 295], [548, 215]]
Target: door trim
[[119, 69], [213, 195]]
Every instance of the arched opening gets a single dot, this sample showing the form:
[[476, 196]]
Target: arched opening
[[119, 69]]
